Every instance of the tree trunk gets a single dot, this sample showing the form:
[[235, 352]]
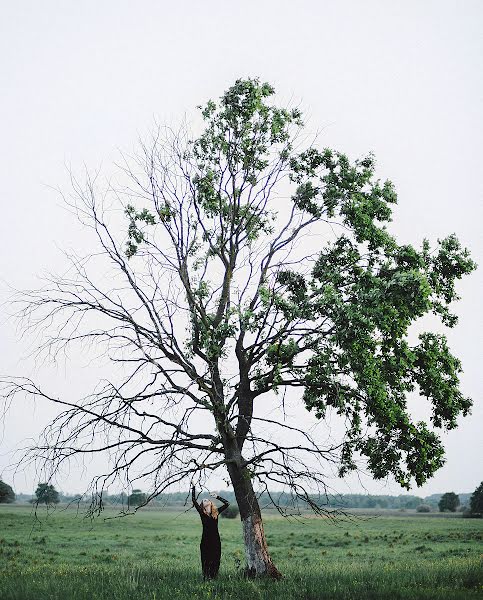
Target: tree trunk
[[258, 558]]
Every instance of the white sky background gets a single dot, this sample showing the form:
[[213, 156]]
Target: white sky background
[[80, 80]]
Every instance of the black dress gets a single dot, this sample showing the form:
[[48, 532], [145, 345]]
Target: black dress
[[210, 546]]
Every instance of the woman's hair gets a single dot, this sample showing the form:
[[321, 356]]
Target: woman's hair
[[214, 510]]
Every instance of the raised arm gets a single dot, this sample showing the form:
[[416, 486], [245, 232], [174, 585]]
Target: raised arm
[[226, 504], [195, 503]]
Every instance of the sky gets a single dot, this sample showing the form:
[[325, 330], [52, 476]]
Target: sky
[[82, 80]]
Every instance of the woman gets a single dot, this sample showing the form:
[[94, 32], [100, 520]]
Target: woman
[[210, 546]]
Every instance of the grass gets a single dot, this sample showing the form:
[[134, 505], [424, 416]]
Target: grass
[[154, 555]]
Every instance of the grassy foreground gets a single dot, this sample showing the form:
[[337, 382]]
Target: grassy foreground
[[155, 555]]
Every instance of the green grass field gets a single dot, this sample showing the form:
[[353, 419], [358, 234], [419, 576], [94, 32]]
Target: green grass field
[[155, 555]]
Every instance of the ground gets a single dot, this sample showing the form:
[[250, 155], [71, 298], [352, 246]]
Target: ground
[[155, 555]]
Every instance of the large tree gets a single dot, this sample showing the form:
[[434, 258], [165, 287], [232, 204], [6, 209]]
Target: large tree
[[255, 270]]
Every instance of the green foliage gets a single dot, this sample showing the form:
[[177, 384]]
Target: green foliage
[[46, 494], [476, 500], [423, 508], [135, 234], [136, 498], [7, 495], [449, 502], [371, 303], [241, 132], [371, 290], [282, 354]]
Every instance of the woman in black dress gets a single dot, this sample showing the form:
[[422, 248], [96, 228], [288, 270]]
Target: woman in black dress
[[210, 546]]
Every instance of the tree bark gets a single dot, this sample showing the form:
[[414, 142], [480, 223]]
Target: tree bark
[[259, 562]]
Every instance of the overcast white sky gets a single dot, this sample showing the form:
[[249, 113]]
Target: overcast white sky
[[402, 79]]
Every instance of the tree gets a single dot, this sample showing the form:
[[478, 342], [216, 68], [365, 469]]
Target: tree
[[476, 500], [254, 264], [7, 495], [449, 502], [46, 494], [137, 498]]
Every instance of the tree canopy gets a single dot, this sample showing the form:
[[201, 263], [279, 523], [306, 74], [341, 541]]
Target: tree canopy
[[336, 323]]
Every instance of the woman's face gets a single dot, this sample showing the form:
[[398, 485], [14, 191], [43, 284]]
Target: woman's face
[[206, 504]]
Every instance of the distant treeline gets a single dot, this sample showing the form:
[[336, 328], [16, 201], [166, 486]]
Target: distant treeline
[[341, 501]]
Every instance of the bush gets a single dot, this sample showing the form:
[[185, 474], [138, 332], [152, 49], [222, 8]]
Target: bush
[[231, 512], [423, 508]]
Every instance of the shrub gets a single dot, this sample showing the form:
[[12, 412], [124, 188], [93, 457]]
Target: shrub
[[231, 512], [423, 508]]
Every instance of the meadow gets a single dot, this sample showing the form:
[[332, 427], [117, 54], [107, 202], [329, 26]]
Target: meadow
[[154, 555]]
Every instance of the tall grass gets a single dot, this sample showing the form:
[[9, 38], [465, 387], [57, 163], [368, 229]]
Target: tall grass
[[155, 556]]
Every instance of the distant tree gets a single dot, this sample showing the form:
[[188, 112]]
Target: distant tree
[[423, 508], [7, 494], [476, 500], [137, 498], [449, 502], [46, 494]]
